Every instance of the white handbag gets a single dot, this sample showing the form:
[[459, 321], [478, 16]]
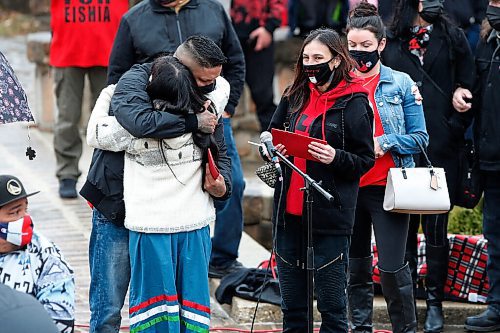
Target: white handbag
[[417, 190]]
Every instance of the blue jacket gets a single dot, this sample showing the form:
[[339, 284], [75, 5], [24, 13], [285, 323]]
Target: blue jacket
[[402, 116]]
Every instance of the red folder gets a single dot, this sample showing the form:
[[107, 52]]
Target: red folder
[[212, 167], [295, 144]]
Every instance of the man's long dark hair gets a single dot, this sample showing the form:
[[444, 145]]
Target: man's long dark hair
[[299, 91]]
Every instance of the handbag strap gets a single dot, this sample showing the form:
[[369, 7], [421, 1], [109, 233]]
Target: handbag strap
[[422, 150], [427, 160], [414, 60]]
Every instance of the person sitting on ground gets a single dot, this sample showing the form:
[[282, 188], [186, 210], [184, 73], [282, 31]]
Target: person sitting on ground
[[29, 262]]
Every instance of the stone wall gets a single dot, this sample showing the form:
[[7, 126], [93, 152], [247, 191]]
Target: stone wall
[[18, 5], [35, 7]]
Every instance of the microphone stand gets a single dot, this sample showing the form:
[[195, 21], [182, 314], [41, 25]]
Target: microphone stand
[[309, 185]]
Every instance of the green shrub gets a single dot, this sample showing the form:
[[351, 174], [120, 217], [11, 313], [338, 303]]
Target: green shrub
[[466, 221]]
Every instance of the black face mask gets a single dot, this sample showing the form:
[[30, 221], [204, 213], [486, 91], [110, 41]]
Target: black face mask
[[493, 16], [432, 10], [319, 74], [366, 60], [207, 89], [164, 2]]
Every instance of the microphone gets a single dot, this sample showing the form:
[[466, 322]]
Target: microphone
[[266, 139]]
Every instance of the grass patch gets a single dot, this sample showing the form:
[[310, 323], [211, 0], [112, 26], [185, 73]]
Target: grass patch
[[466, 221]]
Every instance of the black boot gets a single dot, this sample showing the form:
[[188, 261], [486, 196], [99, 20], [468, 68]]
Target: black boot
[[398, 293], [437, 269], [412, 258], [488, 321], [360, 293]]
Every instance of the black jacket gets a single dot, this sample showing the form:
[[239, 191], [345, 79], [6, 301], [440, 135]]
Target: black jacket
[[487, 103], [350, 120], [132, 108], [465, 13], [308, 15], [149, 29], [448, 61], [386, 10]]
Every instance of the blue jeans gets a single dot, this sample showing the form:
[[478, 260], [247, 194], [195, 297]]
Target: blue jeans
[[330, 277], [491, 231], [229, 221], [109, 273]]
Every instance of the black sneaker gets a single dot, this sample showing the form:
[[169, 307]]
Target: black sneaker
[[488, 321], [219, 272], [67, 188]]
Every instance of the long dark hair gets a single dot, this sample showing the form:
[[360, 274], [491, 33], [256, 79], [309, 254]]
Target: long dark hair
[[486, 27], [365, 17], [404, 15], [298, 93], [172, 89]]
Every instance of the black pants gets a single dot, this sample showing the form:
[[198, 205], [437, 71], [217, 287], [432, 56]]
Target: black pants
[[259, 77], [434, 226], [491, 230], [330, 277], [390, 230]]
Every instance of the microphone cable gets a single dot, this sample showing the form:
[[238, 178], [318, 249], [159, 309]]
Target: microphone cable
[[269, 266]]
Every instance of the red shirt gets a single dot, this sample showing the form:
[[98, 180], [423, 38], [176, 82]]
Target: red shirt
[[377, 175], [83, 34], [295, 197], [317, 105]]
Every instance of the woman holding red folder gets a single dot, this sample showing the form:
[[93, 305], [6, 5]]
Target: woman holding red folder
[[326, 102], [399, 129]]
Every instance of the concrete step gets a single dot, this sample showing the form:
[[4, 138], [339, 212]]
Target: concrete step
[[242, 311]]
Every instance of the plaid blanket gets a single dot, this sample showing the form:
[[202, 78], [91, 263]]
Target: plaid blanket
[[466, 279]]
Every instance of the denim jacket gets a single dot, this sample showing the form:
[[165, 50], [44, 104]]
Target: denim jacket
[[400, 108]]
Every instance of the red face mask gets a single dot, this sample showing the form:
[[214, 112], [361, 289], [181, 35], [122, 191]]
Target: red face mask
[[18, 232]]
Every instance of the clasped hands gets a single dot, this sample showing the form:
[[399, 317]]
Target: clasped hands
[[206, 124], [323, 153]]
